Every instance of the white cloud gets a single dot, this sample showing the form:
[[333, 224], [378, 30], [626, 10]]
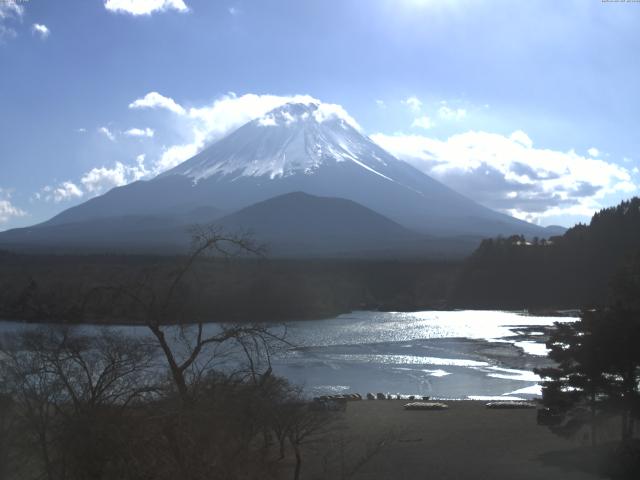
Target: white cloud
[[155, 100], [522, 138], [7, 209], [423, 122], [205, 124], [381, 104], [9, 9], [140, 132], [234, 11], [144, 7], [61, 193], [81, 130], [176, 154], [447, 113], [209, 123], [289, 118], [267, 121], [594, 152], [41, 30], [94, 182], [413, 103], [327, 111], [212, 122], [99, 180], [230, 111], [507, 173], [107, 133]]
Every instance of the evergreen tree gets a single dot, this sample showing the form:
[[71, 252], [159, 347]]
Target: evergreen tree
[[598, 368], [579, 379]]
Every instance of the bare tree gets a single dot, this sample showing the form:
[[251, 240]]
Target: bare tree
[[220, 408], [84, 399], [303, 422], [26, 378], [7, 416], [71, 391], [163, 313]]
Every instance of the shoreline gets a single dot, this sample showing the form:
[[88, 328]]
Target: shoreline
[[465, 441], [560, 313], [448, 368], [342, 355]]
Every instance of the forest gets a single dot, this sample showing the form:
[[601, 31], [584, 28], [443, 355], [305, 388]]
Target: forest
[[575, 270], [80, 288], [595, 379]]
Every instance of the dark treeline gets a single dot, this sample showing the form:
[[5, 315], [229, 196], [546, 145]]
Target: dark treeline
[[573, 270], [184, 401], [74, 288], [595, 382]]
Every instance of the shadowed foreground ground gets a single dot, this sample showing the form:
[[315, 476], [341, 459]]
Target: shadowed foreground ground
[[380, 440]]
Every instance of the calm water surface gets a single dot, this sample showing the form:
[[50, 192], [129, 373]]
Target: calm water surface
[[445, 354]]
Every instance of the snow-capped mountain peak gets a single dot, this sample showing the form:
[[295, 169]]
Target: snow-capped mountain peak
[[297, 137], [311, 109], [303, 146]]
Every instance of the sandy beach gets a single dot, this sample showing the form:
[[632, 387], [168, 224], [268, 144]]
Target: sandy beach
[[380, 440]]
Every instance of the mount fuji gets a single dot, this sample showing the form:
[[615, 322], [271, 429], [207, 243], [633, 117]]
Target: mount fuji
[[308, 147]]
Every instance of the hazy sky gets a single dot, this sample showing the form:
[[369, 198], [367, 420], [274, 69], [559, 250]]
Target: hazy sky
[[531, 107]]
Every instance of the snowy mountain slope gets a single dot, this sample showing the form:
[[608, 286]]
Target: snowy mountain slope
[[293, 139], [307, 147]]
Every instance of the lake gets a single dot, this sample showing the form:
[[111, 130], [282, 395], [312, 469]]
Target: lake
[[444, 354]]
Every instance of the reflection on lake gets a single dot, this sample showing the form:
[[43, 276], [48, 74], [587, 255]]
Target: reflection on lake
[[449, 354]]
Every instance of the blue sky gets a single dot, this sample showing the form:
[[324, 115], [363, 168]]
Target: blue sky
[[529, 107]]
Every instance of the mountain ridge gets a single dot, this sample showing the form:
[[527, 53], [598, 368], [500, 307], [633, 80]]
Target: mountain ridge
[[299, 147], [256, 162], [293, 225]]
